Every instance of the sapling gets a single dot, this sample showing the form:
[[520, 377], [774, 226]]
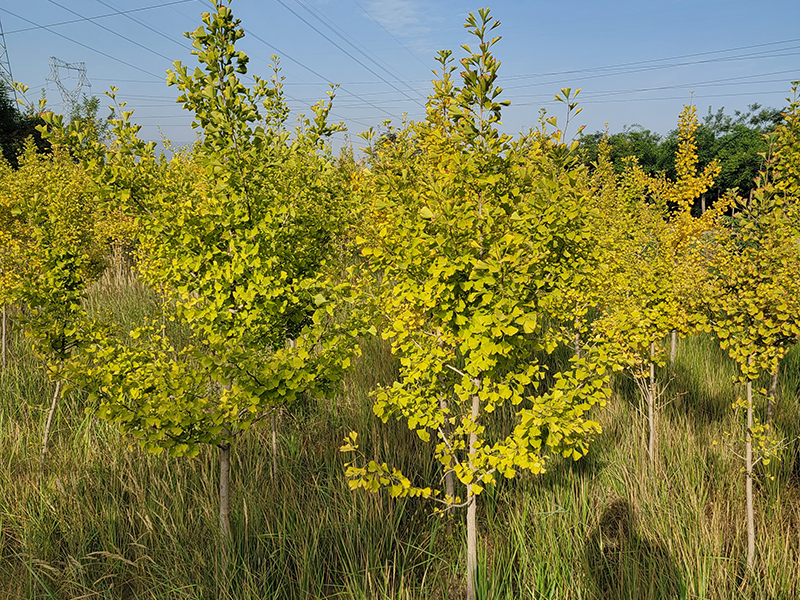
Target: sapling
[[481, 244]]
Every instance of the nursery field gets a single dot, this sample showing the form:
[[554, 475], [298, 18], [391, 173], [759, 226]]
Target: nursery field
[[460, 364], [109, 520]]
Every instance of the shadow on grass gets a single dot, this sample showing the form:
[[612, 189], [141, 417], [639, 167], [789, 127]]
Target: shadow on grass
[[623, 565]]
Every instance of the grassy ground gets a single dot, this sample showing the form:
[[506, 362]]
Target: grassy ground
[[109, 521]]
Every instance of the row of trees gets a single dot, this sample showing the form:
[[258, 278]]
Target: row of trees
[[510, 279], [736, 142]]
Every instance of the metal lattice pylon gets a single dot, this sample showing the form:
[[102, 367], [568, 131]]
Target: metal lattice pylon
[[5, 63], [70, 98]]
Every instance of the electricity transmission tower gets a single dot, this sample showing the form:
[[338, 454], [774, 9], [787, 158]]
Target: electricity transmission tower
[[5, 63], [70, 97]]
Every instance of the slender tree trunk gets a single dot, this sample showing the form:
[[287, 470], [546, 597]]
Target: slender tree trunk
[[48, 424], [472, 512], [751, 533], [449, 486], [5, 317], [274, 472], [225, 491], [472, 545], [773, 390], [702, 204], [651, 406], [673, 347]]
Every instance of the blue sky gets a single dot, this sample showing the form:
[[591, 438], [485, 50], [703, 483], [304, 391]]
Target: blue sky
[[637, 62]]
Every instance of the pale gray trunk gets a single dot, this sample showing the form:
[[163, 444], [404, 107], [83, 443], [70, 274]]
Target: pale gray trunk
[[673, 347], [225, 491], [472, 511], [702, 204], [472, 545], [274, 472], [449, 486], [5, 316], [748, 457], [651, 406], [48, 424], [773, 390]]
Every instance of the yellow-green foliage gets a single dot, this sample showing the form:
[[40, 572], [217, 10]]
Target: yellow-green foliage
[[752, 288], [49, 216], [239, 236], [482, 244], [650, 232]]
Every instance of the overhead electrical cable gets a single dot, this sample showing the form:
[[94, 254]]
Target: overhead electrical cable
[[100, 52], [589, 101], [738, 80], [151, 28], [366, 12], [111, 31], [304, 20], [655, 60], [290, 97], [638, 63], [342, 35], [656, 67], [312, 71], [112, 14]]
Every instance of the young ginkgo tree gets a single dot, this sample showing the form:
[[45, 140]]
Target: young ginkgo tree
[[649, 234], [751, 292], [479, 242], [50, 256], [240, 236]]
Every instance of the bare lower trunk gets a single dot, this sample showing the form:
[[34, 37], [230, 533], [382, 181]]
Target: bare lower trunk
[[472, 545], [225, 491], [472, 510], [48, 424], [773, 389], [702, 204], [673, 347], [274, 472], [751, 533], [651, 407], [449, 487], [5, 317]]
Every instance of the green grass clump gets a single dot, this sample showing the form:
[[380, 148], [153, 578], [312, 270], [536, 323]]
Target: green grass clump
[[107, 520]]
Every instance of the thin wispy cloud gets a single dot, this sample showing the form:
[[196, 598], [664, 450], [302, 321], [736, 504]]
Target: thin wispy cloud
[[400, 17]]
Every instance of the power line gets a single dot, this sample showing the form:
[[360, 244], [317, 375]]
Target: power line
[[153, 29], [618, 66], [655, 67], [390, 35], [163, 35], [589, 101], [282, 3], [654, 60], [119, 35], [310, 70], [709, 83], [100, 52], [341, 34], [113, 14]]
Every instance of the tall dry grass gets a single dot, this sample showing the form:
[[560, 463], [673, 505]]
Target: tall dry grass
[[109, 521]]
